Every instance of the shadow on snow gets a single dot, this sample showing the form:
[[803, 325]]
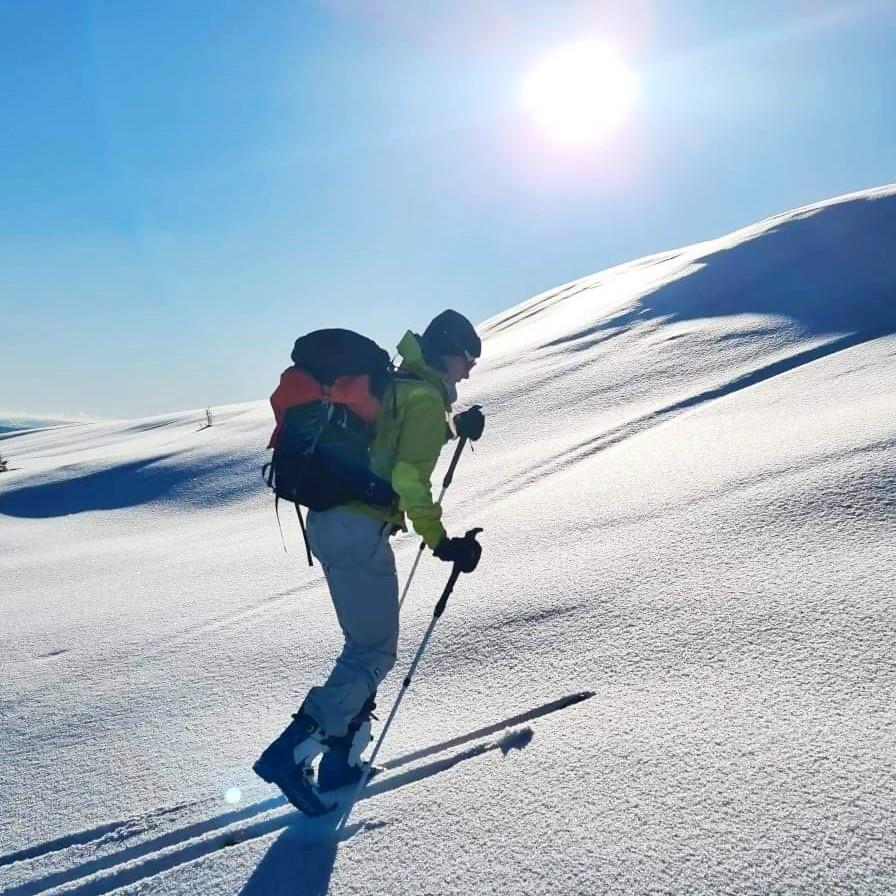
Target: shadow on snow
[[300, 862], [131, 484], [831, 271]]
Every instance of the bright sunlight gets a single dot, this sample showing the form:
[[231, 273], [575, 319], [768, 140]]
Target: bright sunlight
[[580, 93]]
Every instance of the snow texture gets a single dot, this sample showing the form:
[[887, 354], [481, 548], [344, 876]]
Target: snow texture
[[19, 423], [672, 673]]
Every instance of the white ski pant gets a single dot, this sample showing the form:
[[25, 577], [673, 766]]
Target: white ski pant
[[357, 560]]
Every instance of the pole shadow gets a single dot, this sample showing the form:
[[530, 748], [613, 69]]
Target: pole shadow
[[301, 860]]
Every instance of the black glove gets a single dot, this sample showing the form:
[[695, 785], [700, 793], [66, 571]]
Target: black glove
[[463, 552], [469, 424]]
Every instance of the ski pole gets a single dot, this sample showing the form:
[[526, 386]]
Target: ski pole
[[439, 609], [449, 477]]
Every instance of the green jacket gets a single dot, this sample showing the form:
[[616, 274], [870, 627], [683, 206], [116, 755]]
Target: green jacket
[[409, 435]]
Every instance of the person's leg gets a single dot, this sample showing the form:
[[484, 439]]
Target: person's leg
[[357, 559], [360, 570]]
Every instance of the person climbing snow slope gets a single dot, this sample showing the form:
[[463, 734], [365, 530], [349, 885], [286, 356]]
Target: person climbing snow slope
[[351, 541]]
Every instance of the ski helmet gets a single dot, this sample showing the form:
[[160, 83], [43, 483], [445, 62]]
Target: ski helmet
[[450, 333]]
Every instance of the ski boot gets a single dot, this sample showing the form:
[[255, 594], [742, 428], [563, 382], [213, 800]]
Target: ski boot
[[342, 765], [287, 762]]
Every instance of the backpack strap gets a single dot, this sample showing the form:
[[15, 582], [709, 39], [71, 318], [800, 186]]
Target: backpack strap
[[399, 373], [304, 534], [279, 524], [403, 374], [301, 524]]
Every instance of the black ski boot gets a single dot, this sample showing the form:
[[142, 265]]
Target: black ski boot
[[342, 765], [287, 763]]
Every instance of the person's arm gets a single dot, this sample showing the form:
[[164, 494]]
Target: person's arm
[[419, 444]]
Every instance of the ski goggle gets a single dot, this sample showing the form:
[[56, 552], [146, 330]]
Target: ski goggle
[[459, 352]]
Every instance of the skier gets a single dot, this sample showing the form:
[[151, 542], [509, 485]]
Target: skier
[[352, 544]]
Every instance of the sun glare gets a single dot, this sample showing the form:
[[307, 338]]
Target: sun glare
[[580, 93]]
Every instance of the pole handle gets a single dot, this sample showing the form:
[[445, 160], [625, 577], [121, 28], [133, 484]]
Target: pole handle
[[452, 581]]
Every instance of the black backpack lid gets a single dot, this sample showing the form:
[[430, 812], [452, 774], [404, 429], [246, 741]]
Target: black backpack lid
[[332, 353]]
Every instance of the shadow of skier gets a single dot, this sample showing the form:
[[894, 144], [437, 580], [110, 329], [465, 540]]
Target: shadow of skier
[[301, 860], [292, 867]]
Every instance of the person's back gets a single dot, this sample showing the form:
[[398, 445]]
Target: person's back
[[352, 544]]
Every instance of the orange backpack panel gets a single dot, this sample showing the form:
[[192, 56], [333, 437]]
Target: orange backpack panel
[[298, 387]]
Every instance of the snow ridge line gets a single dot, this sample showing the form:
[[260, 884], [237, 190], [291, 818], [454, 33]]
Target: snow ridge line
[[187, 844], [632, 428]]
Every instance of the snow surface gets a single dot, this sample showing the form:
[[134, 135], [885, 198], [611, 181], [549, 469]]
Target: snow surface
[[688, 490], [19, 423]]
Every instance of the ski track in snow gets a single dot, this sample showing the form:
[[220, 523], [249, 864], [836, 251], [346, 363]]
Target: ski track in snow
[[185, 844]]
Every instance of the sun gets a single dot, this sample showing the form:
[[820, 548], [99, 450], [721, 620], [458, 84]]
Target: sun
[[580, 93]]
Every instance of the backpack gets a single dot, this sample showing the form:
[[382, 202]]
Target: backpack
[[325, 408]]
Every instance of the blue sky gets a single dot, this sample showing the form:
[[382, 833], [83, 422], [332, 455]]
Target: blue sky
[[187, 187]]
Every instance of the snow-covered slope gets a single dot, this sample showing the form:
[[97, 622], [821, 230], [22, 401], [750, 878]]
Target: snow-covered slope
[[688, 491], [19, 423]]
